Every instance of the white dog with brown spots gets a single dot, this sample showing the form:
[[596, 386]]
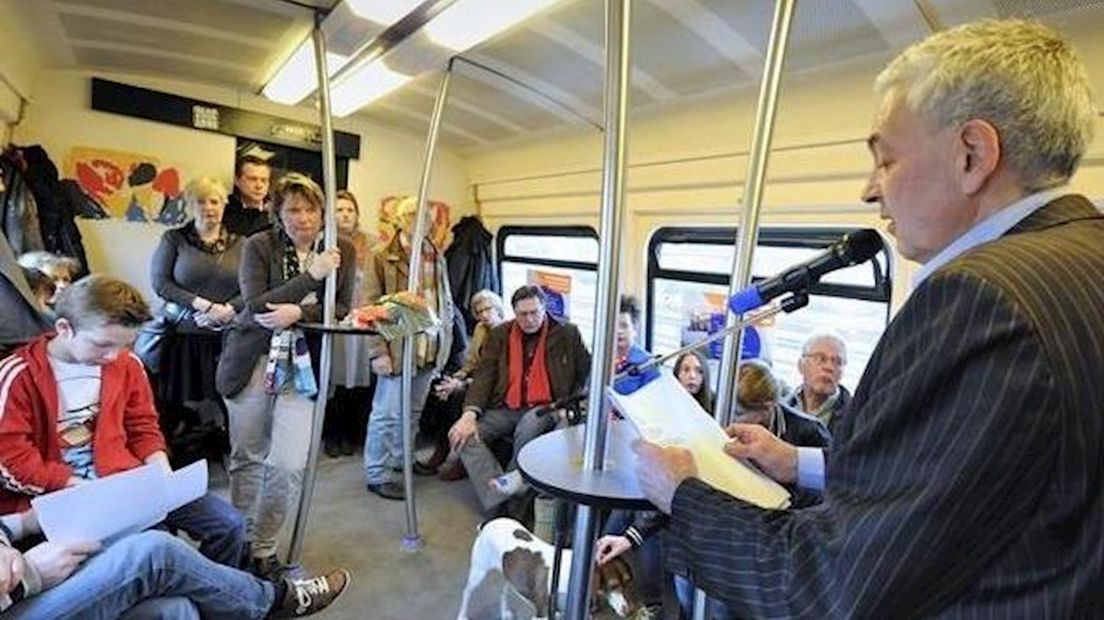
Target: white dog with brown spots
[[511, 576]]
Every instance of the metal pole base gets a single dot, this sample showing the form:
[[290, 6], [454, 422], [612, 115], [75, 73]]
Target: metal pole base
[[412, 544]]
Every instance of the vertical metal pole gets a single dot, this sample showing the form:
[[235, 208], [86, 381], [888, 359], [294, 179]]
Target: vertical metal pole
[[618, 21], [754, 182], [329, 187], [412, 540]]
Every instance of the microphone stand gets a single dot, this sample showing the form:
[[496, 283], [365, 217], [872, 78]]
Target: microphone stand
[[796, 301]]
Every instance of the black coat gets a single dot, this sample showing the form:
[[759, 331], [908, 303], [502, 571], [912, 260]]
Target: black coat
[[470, 264]]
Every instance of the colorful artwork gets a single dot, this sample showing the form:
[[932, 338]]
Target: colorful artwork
[[130, 186], [398, 211]]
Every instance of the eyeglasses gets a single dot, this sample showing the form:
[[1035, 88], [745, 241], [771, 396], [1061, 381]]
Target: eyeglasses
[[821, 358]]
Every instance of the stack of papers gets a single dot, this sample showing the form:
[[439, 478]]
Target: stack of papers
[[664, 412], [109, 508]]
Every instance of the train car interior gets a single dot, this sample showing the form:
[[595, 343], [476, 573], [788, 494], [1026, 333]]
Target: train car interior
[[488, 117]]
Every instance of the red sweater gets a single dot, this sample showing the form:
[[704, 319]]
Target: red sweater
[[126, 429]]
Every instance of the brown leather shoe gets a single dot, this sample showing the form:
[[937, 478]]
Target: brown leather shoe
[[454, 472]]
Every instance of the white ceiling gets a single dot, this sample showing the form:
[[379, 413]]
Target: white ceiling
[[682, 50]]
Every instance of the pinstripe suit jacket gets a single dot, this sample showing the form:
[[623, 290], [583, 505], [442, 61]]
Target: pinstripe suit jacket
[[967, 479]]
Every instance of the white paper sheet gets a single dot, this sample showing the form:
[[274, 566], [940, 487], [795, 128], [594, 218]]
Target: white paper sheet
[[665, 413], [120, 504]]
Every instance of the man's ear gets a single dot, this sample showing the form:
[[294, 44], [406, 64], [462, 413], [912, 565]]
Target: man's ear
[[979, 156]]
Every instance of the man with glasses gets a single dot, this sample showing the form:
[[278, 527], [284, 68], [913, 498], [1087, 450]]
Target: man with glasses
[[820, 394], [528, 363]]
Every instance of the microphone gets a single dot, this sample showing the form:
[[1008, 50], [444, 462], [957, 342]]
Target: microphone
[[854, 248]]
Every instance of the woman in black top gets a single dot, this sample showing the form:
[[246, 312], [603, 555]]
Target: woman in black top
[[195, 272]]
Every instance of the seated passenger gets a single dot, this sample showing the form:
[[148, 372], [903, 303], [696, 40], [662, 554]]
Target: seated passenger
[[758, 401], [60, 269], [530, 361], [820, 394], [42, 287], [489, 311], [692, 373], [76, 406], [150, 574]]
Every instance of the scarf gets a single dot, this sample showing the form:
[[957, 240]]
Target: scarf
[[535, 377], [224, 241], [288, 355]]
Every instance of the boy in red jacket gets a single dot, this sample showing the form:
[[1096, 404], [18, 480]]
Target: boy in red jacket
[[76, 405]]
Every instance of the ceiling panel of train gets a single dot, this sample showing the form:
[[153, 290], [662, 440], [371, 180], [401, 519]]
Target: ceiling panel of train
[[683, 50]]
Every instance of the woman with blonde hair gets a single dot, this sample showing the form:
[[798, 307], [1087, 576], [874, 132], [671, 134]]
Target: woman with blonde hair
[[195, 273], [268, 371]]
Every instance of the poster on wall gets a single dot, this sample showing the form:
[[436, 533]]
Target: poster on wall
[[704, 314], [129, 186], [395, 209], [557, 287]]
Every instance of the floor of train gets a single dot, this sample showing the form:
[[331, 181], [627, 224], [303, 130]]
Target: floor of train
[[352, 528]]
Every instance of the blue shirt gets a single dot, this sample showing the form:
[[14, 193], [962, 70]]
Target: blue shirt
[[810, 461]]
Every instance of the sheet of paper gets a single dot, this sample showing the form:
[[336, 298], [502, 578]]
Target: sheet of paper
[[186, 485], [665, 413], [108, 508]]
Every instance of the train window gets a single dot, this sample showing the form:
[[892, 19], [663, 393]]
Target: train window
[[561, 259], [688, 274]]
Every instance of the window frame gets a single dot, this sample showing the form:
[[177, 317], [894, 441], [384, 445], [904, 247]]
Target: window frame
[[572, 230], [817, 238]]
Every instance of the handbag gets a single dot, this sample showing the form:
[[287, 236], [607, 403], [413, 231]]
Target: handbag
[[150, 342]]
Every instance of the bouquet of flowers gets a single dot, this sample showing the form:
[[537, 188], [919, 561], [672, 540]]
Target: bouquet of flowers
[[394, 316]]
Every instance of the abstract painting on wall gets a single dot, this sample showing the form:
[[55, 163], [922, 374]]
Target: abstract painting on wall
[[130, 186], [398, 211]]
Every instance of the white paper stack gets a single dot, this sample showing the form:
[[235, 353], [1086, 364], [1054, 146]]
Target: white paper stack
[[108, 508], [664, 412]]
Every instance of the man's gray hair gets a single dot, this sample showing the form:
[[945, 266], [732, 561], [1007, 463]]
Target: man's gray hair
[[1022, 77], [824, 337]]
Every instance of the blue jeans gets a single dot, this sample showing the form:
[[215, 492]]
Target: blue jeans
[[383, 445], [149, 565], [215, 525]]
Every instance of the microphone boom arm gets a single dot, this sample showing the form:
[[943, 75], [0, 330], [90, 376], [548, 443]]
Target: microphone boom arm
[[793, 302]]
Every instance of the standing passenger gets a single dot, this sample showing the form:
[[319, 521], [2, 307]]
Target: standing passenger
[[352, 372], [195, 271], [247, 210], [267, 372], [383, 448]]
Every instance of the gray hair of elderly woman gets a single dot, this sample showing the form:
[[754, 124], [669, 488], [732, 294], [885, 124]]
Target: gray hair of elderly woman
[[487, 296], [1022, 77]]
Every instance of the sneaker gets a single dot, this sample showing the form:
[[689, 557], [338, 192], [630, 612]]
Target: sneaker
[[332, 449], [422, 469], [387, 490], [305, 597], [508, 484]]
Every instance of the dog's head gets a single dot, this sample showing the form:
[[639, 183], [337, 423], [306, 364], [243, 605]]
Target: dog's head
[[614, 586]]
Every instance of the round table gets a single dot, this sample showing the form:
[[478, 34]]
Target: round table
[[553, 463]]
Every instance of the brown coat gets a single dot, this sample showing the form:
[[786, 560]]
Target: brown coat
[[386, 275], [567, 359]]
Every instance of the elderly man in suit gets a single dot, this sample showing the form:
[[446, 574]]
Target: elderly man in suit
[[966, 479]]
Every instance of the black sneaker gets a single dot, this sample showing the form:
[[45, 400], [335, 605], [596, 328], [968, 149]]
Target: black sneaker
[[305, 597], [387, 490]]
